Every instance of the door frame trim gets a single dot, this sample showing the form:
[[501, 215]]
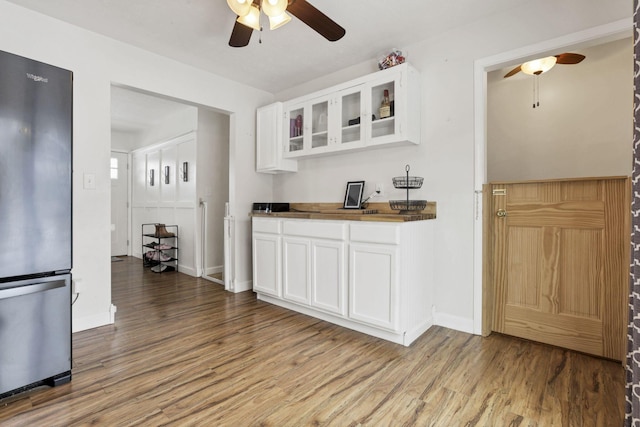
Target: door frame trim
[[581, 39]]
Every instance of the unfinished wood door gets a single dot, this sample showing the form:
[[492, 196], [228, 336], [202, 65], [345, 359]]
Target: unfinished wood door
[[560, 262]]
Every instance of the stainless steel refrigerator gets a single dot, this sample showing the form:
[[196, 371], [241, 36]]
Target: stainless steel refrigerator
[[35, 224]]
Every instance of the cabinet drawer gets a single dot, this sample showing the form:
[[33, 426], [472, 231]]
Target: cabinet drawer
[[266, 225], [375, 233], [323, 229]]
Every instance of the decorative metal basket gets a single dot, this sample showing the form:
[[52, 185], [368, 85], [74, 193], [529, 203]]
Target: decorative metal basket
[[407, 181], [407, 206]]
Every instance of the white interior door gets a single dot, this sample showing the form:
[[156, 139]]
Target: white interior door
[[119, 198]]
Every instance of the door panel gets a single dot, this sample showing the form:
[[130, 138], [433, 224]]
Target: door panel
[[119, 200], [296, 269], [559, 254]]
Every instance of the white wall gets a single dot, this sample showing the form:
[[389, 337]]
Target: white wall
[[97, 63], [446, 156], [582, 127], [123, 141]]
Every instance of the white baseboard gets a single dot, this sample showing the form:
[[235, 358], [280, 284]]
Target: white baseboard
[[457, 323], [243, 286], [214, 270], [93, 321]]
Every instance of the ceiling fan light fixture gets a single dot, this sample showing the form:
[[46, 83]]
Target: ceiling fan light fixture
[[252, 18], [240, 7], [539, 66], [278, 21], [274, 8]]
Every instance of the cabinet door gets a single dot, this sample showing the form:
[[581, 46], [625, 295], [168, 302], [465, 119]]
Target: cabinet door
[[295, 118], [269, 141], [385, 130], [373, 285], [319, 125], [348, 112], [328, 290], [296, 271], [266, 264], [308, 127]]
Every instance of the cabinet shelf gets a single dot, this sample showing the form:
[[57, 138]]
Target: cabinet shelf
[[381, 122]]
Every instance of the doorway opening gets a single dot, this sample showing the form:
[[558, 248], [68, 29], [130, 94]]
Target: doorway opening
[[178, 174], [584, 39]]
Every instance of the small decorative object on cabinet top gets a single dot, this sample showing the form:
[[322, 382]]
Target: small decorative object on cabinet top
[[353, 195], [393, 58], [409, 183]]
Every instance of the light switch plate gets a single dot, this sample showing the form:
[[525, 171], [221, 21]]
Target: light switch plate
[[89, 181]]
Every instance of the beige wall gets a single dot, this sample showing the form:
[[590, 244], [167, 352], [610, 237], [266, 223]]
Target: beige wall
[[583, 126]]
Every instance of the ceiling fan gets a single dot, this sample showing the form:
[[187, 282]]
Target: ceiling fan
[[542, 65], [248, 12]]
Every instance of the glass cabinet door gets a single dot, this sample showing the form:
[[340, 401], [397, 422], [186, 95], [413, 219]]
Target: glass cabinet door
[[319, 124], [351, 111], [383, 122], [294, 129]]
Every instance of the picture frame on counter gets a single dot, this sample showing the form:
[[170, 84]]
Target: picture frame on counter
[[353, 195]]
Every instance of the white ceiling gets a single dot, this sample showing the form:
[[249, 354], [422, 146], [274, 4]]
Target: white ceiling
[[135, 112], [196, 32]]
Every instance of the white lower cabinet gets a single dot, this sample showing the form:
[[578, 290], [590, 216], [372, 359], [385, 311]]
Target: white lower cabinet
[[373, 284], [313, 273], [328, 290], [372, 277], [267, 256], [296, 279]]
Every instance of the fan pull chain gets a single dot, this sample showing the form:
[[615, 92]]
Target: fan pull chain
[[536, 91], [260, 35]]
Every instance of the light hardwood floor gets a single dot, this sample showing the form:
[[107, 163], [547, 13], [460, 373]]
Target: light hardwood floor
[[184, 352]]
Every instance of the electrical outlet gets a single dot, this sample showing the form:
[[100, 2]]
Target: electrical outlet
[[76, 286]]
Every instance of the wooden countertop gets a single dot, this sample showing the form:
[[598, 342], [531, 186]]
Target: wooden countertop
[[333, 211]]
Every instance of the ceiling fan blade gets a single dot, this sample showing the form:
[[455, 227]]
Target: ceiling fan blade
[[512, 72], [240, 35], [569, 58], [315, 19]]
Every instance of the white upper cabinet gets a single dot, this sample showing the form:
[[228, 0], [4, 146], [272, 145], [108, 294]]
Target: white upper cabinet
[[403, 123], [324, 124], [344, 117], [269, 141]]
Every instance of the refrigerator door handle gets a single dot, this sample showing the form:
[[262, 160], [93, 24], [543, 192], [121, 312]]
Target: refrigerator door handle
[[30, 289]]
